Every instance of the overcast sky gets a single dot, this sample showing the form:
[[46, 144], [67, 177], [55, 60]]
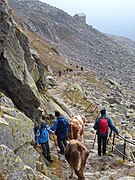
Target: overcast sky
[[109, 16]]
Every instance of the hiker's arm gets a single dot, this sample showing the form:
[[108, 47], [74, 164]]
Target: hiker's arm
[[96, 124], [38, 133], [49, 129], [54, 127], [111, 126]]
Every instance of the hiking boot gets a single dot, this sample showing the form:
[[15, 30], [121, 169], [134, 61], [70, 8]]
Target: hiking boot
[[43, 154], [49, 158]]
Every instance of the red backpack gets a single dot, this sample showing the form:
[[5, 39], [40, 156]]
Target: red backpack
[[103, 125]]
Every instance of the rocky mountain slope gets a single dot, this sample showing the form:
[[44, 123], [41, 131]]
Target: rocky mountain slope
[[125, 42], [78, 42]]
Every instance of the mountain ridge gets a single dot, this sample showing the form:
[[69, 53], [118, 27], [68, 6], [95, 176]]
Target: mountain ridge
[[77, 42]]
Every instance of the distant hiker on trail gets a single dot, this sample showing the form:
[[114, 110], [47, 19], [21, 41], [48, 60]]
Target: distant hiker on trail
[[70, 70], [64, 71], [61, 128], [43, 139], [59, 72], [81, 68], [101, 125]]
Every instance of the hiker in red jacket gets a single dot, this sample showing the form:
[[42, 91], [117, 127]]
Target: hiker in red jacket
[[101, 125]]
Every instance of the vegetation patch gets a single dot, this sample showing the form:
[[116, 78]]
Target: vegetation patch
[[2, 175], [1, 112], [48, 54], [56, 168], [109, 153], [92, 79], [76, 98], [132, 174], [120, 162]]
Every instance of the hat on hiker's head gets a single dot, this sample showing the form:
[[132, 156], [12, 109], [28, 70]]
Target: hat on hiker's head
[[103, 111], [57, 113], [43, 125]]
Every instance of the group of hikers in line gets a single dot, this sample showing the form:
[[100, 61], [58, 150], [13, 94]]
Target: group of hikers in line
[[61, 129], [64, 71]]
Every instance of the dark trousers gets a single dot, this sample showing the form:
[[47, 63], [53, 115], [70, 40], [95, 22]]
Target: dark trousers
[[46, 149], [62, 144], [102, 141]]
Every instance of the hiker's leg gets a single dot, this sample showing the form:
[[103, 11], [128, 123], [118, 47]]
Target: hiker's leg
[[64, 142], [44, 149], [47, 148], [104, 145], [99, 145], [60, 144], [48, 157]]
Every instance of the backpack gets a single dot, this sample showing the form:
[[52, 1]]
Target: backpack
[[103, 126], [62, 126], [36, 127]]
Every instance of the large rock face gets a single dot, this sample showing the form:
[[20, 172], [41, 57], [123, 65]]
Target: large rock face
[[17, 156], [15, 78], [6, 134], [21, 126], [13, 167], [79, 43]]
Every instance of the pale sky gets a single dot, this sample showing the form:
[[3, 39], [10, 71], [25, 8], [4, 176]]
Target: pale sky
[[109, 16]]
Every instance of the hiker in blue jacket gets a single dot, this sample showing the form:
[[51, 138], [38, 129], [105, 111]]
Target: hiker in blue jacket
[[61, 128], [101, 125], [43, 139]]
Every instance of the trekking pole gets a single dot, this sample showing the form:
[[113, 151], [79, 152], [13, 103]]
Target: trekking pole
[[94, 140], [110, 135], [56, 145], [95, 135]]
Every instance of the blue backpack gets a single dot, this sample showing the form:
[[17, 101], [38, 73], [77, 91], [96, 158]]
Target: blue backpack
[[62, 126]]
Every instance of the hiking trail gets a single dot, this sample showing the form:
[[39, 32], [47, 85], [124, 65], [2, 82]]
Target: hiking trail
[[106, 167]]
